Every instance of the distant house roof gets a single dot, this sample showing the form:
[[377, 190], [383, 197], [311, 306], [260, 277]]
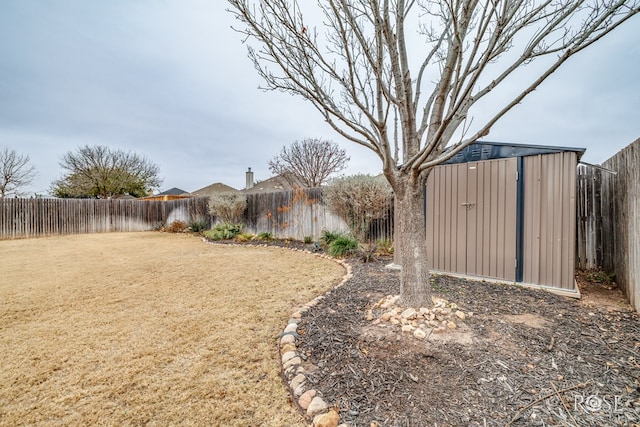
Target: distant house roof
[[212, 189], [486, 150], [172, 192], [275, 183]]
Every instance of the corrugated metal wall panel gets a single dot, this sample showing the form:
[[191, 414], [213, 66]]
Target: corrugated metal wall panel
[[550, 218], [471, 218]]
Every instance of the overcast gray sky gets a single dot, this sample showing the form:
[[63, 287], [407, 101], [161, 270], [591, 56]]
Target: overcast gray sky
[[169, 79]]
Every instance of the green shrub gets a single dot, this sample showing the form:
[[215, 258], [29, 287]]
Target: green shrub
[[343, 246], [329, 236], [177, 227], [197, 225], [265, 235], [308, 239], [224, 231]]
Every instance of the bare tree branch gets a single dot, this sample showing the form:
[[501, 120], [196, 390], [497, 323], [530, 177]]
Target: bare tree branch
[[309, 162], [429, 62], [97, 171], [15, 172]]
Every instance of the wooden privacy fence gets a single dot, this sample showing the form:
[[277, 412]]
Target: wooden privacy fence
[[594, 215], [23, 218], [301, 213], [609, 219]]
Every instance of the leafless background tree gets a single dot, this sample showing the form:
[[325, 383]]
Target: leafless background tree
[[98, 171], [15, 172], [309, 162], [404, 78]]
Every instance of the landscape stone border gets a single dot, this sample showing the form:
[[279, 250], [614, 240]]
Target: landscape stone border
[[308, 400]]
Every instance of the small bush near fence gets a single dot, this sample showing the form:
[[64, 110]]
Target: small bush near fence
[[343, 246], [224, 231], [177, 227]]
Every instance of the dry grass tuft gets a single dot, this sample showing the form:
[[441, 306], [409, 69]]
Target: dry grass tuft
[[148, 329]]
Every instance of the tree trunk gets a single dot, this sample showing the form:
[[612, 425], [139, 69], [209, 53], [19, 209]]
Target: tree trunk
[[411, 245]]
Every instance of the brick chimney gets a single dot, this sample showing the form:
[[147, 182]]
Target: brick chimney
[[249, 176]]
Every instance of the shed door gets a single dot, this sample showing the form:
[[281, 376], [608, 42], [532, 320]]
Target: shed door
[[471, 218]]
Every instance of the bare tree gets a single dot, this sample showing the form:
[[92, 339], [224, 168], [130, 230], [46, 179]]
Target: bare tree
[[309, 162], [15, 172], [414, 111], [101, 172]]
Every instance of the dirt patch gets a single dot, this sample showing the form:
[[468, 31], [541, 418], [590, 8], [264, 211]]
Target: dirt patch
[[599, 290], [148, 329], [529, 319], [534, 358]]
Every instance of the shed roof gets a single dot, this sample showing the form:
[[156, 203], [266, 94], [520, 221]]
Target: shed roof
[[487, 150]]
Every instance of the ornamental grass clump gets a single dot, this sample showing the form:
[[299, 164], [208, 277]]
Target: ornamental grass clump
[[343, 246]]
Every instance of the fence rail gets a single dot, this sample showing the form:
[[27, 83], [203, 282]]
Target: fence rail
[[23, 218]]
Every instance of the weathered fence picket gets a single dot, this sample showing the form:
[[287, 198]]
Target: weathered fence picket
[[301, 213], [24, 218]]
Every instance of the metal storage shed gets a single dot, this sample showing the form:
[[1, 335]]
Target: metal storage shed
[[506, 212]]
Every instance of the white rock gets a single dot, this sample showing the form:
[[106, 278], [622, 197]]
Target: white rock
[[407, 328], [297, 392], [409, 314], [460, 315], [306, 398], [420, 334], [288, 356], [286, 339], [297, 381], [316, 406], [291, 327], [288, 347], [292, 362]]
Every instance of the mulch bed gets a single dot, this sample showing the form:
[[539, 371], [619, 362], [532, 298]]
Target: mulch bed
[[533, 359]]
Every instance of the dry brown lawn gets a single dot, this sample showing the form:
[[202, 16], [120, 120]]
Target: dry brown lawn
[[148, 329]]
